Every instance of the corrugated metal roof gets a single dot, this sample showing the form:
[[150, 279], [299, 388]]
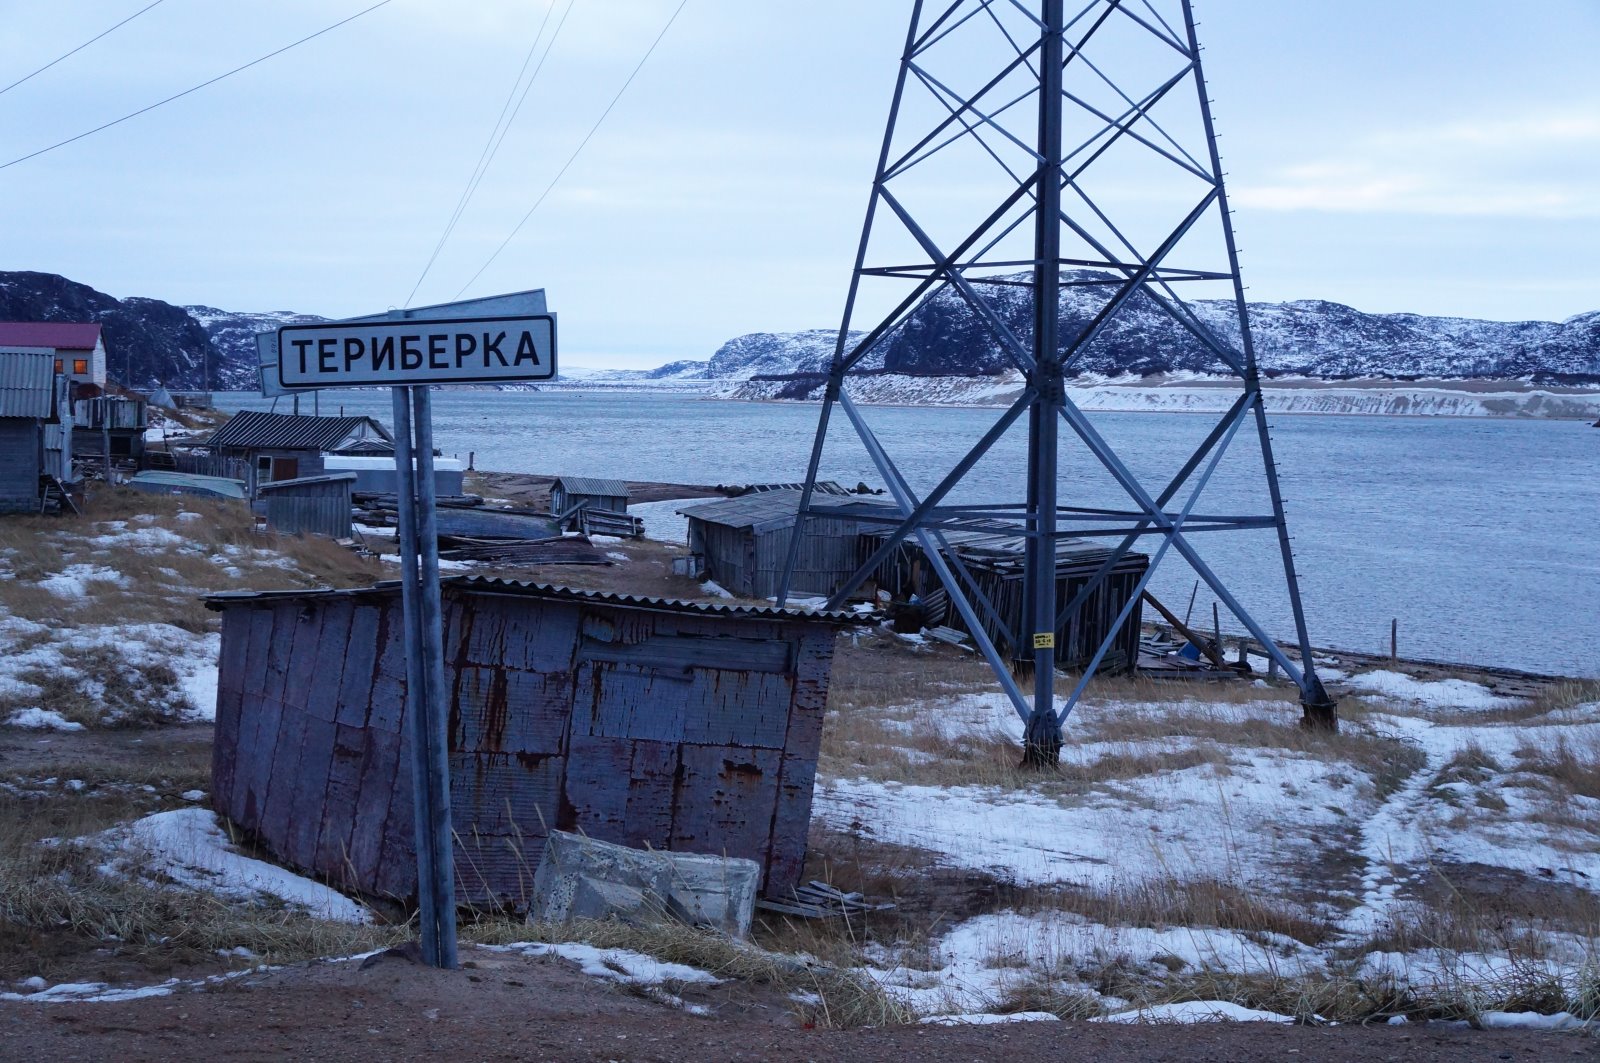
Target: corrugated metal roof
[[551, 592], [255, 429], [302, 481], [27, 385], [767, 510], [589, 485], [62, 335]]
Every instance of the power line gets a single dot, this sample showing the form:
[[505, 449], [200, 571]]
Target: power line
[[196, 88], [79, 48], [579, 149], [497, 136]]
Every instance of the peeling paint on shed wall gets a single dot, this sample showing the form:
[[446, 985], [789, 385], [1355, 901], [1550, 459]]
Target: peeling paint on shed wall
[[650, 727]]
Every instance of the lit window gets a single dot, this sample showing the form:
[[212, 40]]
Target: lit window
[[58, 365], [80, 366]]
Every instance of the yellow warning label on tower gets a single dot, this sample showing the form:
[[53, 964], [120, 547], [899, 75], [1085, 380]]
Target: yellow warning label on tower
[[1044, 640]]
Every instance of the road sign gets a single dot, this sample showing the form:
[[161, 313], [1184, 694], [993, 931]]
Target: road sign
[[397, 352]]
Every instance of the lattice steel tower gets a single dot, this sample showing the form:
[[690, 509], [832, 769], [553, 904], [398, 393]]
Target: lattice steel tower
[[1066, 156]]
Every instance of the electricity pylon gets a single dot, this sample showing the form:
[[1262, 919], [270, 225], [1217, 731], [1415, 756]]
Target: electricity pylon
[[1082, 149]]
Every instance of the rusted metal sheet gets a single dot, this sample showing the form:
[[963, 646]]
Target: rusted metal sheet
[[649, 723]]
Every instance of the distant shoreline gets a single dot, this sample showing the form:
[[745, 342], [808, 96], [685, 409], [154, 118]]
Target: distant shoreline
[[1287, 396]]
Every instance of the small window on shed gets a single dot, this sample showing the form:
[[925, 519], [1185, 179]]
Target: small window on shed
[[58, 365], [80, 366]]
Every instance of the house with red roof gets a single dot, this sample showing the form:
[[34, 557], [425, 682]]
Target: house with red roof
[[79, 351]]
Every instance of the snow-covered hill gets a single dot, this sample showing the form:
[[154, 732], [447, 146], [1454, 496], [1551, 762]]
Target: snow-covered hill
[[1312, 338], [233, 333]]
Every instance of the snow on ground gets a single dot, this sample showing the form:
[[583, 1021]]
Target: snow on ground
[[1191, 1011], [661, 520], [988, 1019], [1433, 694], [93, 658], [616, 965], [41, 720], [972, 966], [187, 847], [626, 967], [73, 581], [1243, 813], [1182, 800]]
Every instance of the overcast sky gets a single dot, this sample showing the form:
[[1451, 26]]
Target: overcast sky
[[1396, 155]]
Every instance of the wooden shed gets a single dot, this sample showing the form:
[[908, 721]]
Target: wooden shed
[[309, 505], [996, 564], [277, 446], [567, 493], [743, 543], [35, 429], [647, 722]]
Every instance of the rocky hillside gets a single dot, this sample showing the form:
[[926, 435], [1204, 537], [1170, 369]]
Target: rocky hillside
[[152, 342], [233, 334], [943, 337], [148, 342]]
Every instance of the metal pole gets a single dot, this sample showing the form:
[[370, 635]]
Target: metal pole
[[416, 683], [1321, 710], [1042, 745], [431, 622]]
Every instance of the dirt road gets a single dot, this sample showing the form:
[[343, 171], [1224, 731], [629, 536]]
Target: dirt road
[[515, 1007]]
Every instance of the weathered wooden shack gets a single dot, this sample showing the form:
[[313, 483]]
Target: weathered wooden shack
[[743, 543], [647, 722], [309, 505], [567, 493], [35, 430], [995, 563], [108, 418], [277, 446]]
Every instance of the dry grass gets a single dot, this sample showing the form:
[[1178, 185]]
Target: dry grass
[[60, 915], [1167, 902], [845, 998], [1572, 764]]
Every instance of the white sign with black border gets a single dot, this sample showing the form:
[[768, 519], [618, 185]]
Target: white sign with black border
[[396, 352]]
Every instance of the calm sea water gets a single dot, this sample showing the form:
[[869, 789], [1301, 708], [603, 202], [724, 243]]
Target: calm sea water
[[1479, 536]]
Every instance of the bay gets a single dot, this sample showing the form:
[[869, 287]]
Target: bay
[[1478, 535]]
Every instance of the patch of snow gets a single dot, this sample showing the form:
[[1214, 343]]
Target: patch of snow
[[616, 965], [715, 590], [72, 581], [1434, 694], [193, 795], [188, 846], [1195, 1011], [92, 992], [42, 720], [1529, 1020], [446, 564], [979, 1018]]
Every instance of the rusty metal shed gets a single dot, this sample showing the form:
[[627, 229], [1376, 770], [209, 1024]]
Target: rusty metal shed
[[648, 722]]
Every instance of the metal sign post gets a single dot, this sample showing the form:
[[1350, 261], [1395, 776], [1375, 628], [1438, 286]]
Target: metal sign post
[[501, 338]]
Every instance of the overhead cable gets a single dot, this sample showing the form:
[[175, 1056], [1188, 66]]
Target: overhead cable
[[196, 88], [578, 150], [497, 136], [79, 48]]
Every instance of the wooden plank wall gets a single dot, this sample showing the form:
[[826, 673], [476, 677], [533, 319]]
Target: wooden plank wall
[[652, 729]]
